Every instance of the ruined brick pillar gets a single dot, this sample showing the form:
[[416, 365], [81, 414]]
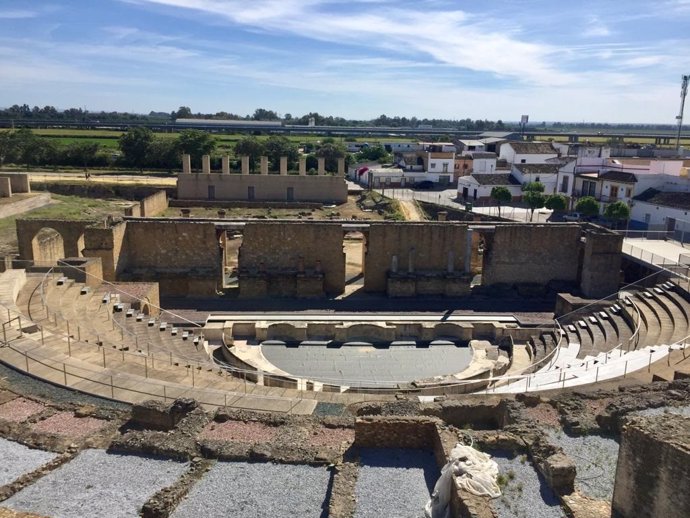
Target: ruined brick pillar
[[186, 164], [283, 165], [264, 165], [302, 165], [322, 165], [653, 471], [226, 164], [341, 167], [245, 165], [206, 164]]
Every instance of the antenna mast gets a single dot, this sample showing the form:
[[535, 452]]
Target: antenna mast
[[683, 93]]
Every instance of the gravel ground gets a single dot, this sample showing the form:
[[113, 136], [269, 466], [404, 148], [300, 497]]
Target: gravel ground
[[29, 386], [243, 490], [525, 493], [97, 484], [678, 410], [595, 458], [19, 410], [18, 460], [395, 483], [66, 424]]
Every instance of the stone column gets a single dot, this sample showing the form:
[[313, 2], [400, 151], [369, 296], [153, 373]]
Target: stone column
[[394, 264], [322, 166], [410, 260], [245, 165], [302, 165], [264, 165], [341, 167], [283, 165], [186, 164], [226, 164], [206, 164]]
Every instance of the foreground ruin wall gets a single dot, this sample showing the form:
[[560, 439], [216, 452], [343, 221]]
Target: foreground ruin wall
[[601, 263], [264, 187], [422, 251], [72, 233], [183, 257], [275, 258], [531, 254], [653, 472]]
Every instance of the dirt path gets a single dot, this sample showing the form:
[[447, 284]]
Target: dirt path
[[410, 210], [105, 178]]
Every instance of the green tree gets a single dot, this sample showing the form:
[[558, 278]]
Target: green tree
[[261, 114], [375, 153], [82, 153], [8, 146], [533, 196], [556, 202], [587, 206], [195, 143], [501, 195], [251, 147], [279, 146], [31, 149], [164, 154], [617, 211], [331, 152], [183, 112], [136, 146]]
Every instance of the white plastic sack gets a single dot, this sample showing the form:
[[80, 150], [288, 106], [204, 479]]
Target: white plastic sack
[[475, 472]]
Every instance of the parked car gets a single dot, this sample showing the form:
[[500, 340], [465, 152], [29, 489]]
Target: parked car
[[574, 216], [424, 184]]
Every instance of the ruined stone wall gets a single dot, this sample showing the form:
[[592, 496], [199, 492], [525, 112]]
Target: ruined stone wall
[[154, 205], [653, 472], [601, 263], [183, 257], [429, 245], [72, 233], [273, 187], [106, 243], [5, 188], [277, 247], [19, 182], [524, 254]]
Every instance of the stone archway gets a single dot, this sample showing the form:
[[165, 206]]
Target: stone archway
[[48, 246]]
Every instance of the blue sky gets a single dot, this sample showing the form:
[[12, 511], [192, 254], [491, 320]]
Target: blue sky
[[604, 60]]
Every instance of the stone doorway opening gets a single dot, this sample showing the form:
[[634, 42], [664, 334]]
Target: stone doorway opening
[[354, 246]]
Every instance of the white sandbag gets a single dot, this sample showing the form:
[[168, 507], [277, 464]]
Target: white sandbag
[[474, 472]]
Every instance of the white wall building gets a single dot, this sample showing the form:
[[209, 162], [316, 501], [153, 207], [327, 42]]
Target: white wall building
[[528, 152]]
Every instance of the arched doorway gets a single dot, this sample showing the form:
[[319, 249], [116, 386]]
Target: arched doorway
[[47, 246]]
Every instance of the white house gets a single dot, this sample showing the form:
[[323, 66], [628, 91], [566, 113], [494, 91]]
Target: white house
[[478, 186], [466, 146], [546, 174], [656, 210], [527, 152], [483, 162]]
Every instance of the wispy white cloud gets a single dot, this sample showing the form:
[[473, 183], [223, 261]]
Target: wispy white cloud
[[596, 28], [16, 14]]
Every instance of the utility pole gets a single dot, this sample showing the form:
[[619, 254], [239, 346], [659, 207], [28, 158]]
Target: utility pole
[[683, 93]]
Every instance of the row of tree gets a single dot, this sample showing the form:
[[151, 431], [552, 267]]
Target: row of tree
[[533, 195], [140, 148]]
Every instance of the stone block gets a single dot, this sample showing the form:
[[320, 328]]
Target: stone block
[[186, 164]]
